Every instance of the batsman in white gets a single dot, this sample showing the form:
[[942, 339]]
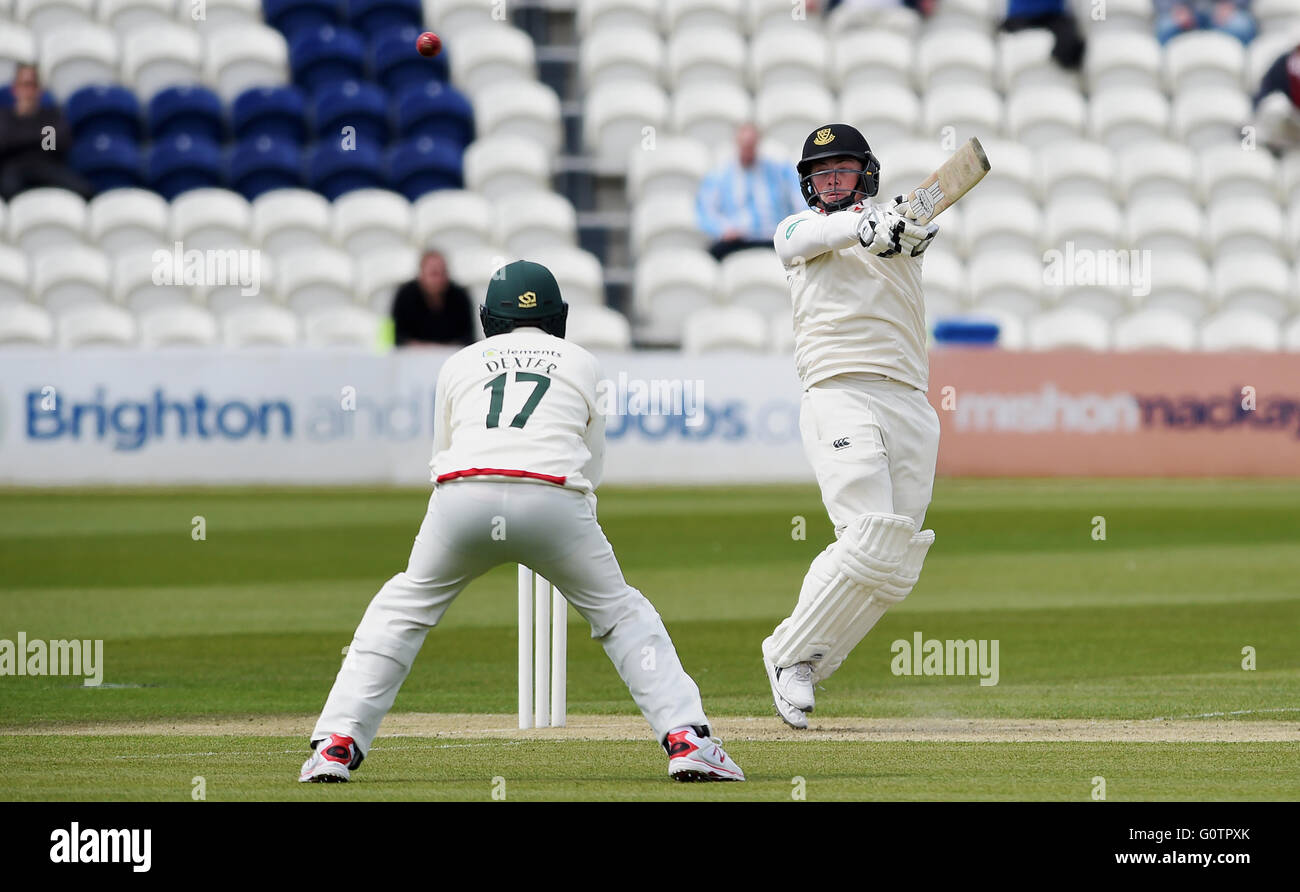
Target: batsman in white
[[854, 269], [518, 452]]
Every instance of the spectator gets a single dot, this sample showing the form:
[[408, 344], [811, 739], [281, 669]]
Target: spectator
[[1277, 104], [1173, 17], [1053, 16], [32, 140], [740, 203], [924, 7], [432, 309]]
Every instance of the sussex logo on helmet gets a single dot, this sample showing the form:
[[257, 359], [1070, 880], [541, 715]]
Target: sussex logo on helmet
[[528, 300], [823, 137]]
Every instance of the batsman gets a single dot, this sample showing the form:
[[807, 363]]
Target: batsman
[[872, 437]]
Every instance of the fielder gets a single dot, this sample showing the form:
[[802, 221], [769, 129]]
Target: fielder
[[854, 269], [518, 452]]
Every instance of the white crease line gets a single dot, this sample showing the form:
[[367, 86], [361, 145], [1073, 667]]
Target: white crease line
[[385, 749], [1215, 715]]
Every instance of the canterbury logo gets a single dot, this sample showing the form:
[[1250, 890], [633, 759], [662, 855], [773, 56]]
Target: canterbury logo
[[528, 300], [841, 443], [823, 137]]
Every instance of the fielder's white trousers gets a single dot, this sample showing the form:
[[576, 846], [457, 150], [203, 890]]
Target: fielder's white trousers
[[471, 527]]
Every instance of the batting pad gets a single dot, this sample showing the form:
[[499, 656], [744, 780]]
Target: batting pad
[[862, 560], [891, 591]]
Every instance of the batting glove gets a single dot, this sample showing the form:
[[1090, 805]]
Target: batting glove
[[915, 238], [880, 231]]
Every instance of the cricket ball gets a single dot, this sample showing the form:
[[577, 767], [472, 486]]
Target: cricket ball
[[429, 44]]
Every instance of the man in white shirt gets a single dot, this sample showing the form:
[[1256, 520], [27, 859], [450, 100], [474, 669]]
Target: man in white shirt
[[518, 452], [854, 269]]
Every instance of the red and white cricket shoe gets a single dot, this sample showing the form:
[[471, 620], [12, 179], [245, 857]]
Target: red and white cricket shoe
[[332, 761], [692, 757]]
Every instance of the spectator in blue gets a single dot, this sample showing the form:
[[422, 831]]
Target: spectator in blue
[[740, 203], [1277, 104], [1054, 16], [1174, 17]]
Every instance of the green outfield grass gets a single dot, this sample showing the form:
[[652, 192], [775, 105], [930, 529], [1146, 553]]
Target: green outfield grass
[[1151, 622]]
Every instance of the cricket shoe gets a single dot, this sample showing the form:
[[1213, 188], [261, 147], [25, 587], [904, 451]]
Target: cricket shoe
[[792, 690], [332, 761], [698, 757]]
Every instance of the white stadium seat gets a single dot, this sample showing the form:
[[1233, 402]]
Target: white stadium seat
[[121, 219], [370, 220], [577, 272], [1263, 51], [46, 218], [43, 16], [1240, 330], [1228, 174], [857, 63], [1123, 61], [259, 326], [341, 326], [95, 325], [285, 220], [790, 54], [219, 14], [1039, 116], [1121, 17], [69, 275], [946, 290], [315, 278], [1092, 222], [125, 16], [1007, 280], [996, 223], [1014, 171], [473, 268], [676, 165], [524, 109], [611, 15], [161, 56], [1075, 168], [950, 57], [617, 117], [16, 45], [760, 15], [1156, 169], [711, 114], [665, 221], [1165, 224], [207, 219], [76, 56], [492, 54], [969, 110], [906, 165], [669, 284], [1196, 60], [598, 328], [885, 23], [182, 325], [1025, 58], [504, 166], [1240, 227], [251, 285], [1126, 116], [1257, 281], [964, 15], [452, 18], [535, 221], [15, 275], [705, 57], [137, 285], [755, 278], [1202, 118], [1290, 335], [1290, 179], [887, 115], [724, 329], [238, 57], [379, 273], [1276, 15], [1011, 326], [787, 115], [1180, 282], [1154, 329], [22, 323], [450, 219], [689, 15], [622, 54], [1068, 327]]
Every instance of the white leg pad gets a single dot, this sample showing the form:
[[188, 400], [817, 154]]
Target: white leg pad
[[891, 591], [864, 558]]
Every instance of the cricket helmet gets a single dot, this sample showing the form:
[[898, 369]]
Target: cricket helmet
[[523, 293], [835, 141]]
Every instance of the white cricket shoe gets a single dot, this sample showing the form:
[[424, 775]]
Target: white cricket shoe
[[695, 758], [332, 761], [792, 690]]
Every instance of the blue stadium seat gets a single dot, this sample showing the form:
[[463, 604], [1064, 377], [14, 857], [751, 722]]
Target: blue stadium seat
[[321, 56], [277, 112], [7, 98], [109, 162], [435, 110], [181, 163], [104, 110], [424, 164], [351, 104], [333, 170], [395, 63], [263, 163], [189, 109], [373, 16], [291, 16]]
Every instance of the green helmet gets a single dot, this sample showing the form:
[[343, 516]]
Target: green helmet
[[523, 293]]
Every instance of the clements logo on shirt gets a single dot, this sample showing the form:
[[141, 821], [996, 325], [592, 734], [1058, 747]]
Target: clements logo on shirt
[[512, 358]]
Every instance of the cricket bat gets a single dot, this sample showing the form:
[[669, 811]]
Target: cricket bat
[[957, 176]]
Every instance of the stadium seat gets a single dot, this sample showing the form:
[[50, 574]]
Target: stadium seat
[[43, 16], [454, 18], [16, 45], [1227, 174], [259, 326], [699, 15], [676, 165], [907, 165], [46, 218], [339, 105], [473, 268], [161, 56], [671, 283], [435, 110], [963, 16], [535, 221], [1290, 178], [24, 324], [1165, 224], [724, 329], [1123, 117], [220, 14], [1202, 118], [1258, 281], [611, 15], [374, 16], [1246, 226], [1025, 58], [887, 114], [598, 328], [1014, 172], [1123, 61], [1291, 335], [277, 112], [191, 110], [709, 114], [1156, 169], [1075, 168], [1122, 17], [969, 110], [371, 220], [755, 278], [1068, 327], [578, 273], [492, 55], [381, 272], [995, 223], [1154, 329], [109, 162], [95, 325], [263, 164], [1277, 15], [1006, 280], [622, 54], [452, 219], [1263, 51], [505, 166], [788, 55], [396, 63], [786, 115], [68, 276], [665, 221], [252, 285], [241, 57], [616, 117], [211, 219], [325, 55], [333, 170], [422, 165], [950, 57], [1011, 326], [183, 325], [1199, 60], [527, 109], [857, 64], [183, 163], [946, 291], [1039, 116], [76, 56], [1092, 222], [286, 220], [341, 326], [1102, 299], [892, 23], [290, 17], [312, 278], [14, 275], [1240, 330], [104, 110], [1180, 281]]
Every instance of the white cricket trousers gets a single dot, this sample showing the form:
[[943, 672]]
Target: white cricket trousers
[[471, 527]]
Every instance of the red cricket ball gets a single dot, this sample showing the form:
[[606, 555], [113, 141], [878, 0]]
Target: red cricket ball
[[429, 44]]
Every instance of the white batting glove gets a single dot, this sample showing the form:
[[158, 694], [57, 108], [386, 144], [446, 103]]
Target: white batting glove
[[885, 232], [915, 238]]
